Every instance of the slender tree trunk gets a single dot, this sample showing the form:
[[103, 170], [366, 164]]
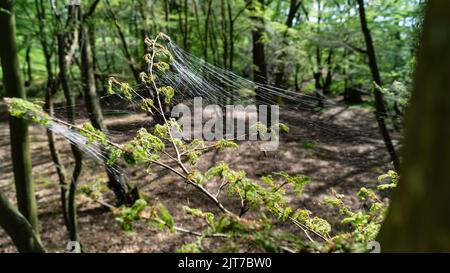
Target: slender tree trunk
[[186, 26], [296, 79], [166, 15], [18, 228], [131, 63], [66, 197], [20, 150], [224, 25], [92, 38], [279, 74], [259, 54], [51, 89], [259, 62], [318, 73], [205, 37], [54, 153], [213, 39], [29, 70], [117, 182], [418, 220], [380, 106], [230, 35], [329, 77], [197, 23], [144, 27]]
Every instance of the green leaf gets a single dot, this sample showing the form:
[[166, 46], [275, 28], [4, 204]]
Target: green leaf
[[224, 143], [167, 218], [114, 155]]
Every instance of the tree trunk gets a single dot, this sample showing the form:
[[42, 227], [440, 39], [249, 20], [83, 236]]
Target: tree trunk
[[131, 62], [259, 63], [318, 73], [380, 107], [418, 217], [329, 77], [117, 182], [29, 70], [279, 74], [231, 34], [51, 89], [18, 228], [67, 200], [12, 81], [205, 37], [259, 54], [224, 25]]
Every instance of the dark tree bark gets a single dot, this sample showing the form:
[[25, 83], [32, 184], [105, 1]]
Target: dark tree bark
[[418, 220], [144, 30], [259, 54], [318, 73], [20, 149], [380, 107], [293, 9], [231, 34], [117, 182], [259, 62], [329, 77], [51, 89], [67, 194], [29, 70]]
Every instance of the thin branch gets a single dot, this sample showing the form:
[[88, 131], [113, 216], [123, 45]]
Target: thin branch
[[91, 9], [354, 48]]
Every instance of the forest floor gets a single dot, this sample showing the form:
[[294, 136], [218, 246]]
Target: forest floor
[[339, 148]]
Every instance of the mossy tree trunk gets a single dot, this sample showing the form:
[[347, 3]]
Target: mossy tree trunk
[[418, 218], [18, 228], [26, 199]]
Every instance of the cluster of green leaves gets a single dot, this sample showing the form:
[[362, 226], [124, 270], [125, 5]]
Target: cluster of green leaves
[[93, 134], [125, 216], [314, 223], [21, 108], [154, 216], [390, 175], [365, 223], [260, 128], [254, 195], [143, 148], [94, 189], [233, 231], [397, 96]]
